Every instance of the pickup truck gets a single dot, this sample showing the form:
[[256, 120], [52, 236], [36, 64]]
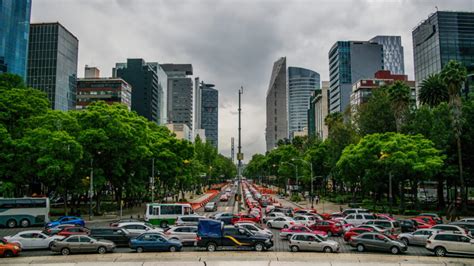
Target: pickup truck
[[212, 234]]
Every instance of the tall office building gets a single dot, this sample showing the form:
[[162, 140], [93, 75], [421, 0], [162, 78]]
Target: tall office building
[[350, 61], [149, 85], [301, 85], [393, 59], [180, 94], [14, 35], [317, 112], [276, 105], [210, 113], [52, 63], [443, 36]]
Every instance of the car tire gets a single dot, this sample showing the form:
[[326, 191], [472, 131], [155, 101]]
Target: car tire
[[285, 226], [65, 251], [259, 247], [211, 247], [139, 249], [172, 249], [102, 250], [11, 223], [269, 225], [405, 241], [164, 224], [25, 223], [8, 253], [294, 248], [440, 251], [360, 248], [394, 250], [327, 250], [50, 245]]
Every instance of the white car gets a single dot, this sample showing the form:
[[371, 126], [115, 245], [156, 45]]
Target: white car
[[354, 211], [467, 220], [358, 218], [450, 228], [272, 216], [305, 220], [444, 243], [281, 222], [34, 239], [255, 228], [185, 234], [138, 228]]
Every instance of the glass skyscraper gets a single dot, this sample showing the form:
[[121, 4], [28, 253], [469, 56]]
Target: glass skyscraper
[[180, 93], [301, 85], [276, 101], [444, 36], [210, 113], [14, 35], [52, 63], [350, 61], [392, 53]]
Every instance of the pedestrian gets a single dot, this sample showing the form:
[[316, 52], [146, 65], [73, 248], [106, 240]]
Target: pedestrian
[[317, 199]]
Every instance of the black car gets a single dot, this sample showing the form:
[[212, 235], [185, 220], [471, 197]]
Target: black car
[[408, 226], [119, 236], [211, 235]]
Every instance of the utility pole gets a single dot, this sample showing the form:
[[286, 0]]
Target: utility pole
[[152, 180], [232, 149], [240, 156]]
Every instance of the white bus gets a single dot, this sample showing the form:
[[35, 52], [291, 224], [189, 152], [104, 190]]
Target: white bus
[[164, 214], [24, 212]]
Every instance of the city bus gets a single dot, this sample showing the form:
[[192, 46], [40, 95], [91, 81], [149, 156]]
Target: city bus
[[24, 212], [164, 214]]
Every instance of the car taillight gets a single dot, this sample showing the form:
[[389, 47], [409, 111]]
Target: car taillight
[[292, 223], [198, 238]]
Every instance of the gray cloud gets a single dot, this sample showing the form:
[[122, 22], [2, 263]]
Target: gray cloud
[[233, 43]]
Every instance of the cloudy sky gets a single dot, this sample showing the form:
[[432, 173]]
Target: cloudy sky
[[233, 43]]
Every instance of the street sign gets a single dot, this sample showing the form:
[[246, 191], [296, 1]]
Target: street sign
[[240, 156]]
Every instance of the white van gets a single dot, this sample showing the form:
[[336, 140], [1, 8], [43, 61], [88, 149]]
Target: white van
[[358, 218]]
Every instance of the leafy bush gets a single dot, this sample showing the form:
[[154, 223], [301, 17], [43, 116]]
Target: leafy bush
[[295, 198], [411, 212]]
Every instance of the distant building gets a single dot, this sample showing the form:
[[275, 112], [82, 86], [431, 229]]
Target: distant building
[[276, 105], [14, 35], [197, 106], [301, 133], [149, 83], [210, 113], [110, 90], [393, 59], [91, 72], [318, 111], [301, 85], [52, 63], [180, 93], [201, 133], [182, 131], [362, 89], [443, 36], [350, 61]]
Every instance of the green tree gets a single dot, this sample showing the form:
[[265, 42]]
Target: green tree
[[433, 91], [454, 75], [374, 116], [399, 95]]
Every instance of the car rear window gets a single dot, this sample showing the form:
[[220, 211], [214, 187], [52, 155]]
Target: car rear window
[[369, 217]]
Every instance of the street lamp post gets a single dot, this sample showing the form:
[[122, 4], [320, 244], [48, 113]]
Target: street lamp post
[[240, 156], [311, 178]]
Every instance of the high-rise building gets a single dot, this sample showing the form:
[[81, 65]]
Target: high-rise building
[[210, 113], [393, 59], [443, 36], [276, 105], [350, 61], [301, 85], [94, 88], [14, 35], [317, 112], [52, 63], [197, 106], [149, 83], [180, 93]]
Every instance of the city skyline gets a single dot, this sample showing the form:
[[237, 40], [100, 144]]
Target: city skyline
[[238, 52]]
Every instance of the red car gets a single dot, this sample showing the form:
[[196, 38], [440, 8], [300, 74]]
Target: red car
[[288, 232], [245, 218], [9, 249], [223, 198], [328, 226], [427, 219], [382, 216], [421, 224], [74, 231], [355, 232]]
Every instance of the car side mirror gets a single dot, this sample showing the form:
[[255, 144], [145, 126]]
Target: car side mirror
[[385, 240], [146, 229], [472, 241]]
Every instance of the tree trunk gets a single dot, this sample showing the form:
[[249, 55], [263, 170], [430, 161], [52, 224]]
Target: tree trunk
[[461, 177], [65, 202], [440, 192]]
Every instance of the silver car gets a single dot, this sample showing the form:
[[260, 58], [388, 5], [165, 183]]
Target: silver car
[[418, 237], [377, 242], [310, 242], [185, 234], [82, 244], [255, 228]]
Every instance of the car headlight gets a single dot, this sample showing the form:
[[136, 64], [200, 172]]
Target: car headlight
[[16, 247]]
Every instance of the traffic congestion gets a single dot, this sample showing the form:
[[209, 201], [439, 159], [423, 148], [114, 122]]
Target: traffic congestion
[[266, 222]]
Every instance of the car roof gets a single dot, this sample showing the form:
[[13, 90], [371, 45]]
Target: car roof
[[131, 223], [29, 232]]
